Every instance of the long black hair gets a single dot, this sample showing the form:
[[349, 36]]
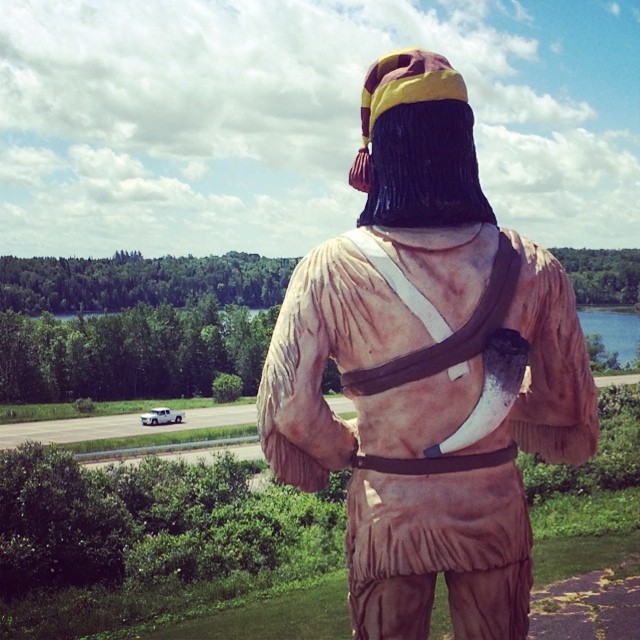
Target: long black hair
[[424, 168]]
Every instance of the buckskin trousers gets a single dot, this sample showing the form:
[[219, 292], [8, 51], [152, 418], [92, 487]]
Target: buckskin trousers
[[484, 605]]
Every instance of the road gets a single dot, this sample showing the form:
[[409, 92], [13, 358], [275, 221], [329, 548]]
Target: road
[[78, 429]]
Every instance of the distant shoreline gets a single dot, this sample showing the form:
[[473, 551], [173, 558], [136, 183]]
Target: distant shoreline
[[611, 308]]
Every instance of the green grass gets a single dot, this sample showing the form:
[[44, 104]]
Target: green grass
[[161, 439], [601, 513], [322, 607], [167, 438], [606, 531]]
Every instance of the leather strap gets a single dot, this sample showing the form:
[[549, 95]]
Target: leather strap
[[419, 304], [463, 345], [429, 466]]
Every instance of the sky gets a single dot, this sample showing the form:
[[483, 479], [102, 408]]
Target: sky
[[198, 127]]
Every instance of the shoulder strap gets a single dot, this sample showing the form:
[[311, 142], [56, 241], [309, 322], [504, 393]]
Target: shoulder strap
[[417, 302], [460, 346]]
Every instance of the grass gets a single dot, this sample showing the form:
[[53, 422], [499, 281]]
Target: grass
[[322, 607], [607, 536], [161, 439]]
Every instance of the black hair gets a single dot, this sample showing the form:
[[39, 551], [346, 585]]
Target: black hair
[[424, 170]]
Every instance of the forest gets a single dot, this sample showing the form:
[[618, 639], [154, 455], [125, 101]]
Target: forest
[[169, 327], [143, 352], [69, 285]]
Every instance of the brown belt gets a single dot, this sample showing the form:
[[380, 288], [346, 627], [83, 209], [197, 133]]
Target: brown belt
[[428, 466]]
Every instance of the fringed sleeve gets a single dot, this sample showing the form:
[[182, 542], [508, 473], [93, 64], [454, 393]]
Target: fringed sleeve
[[301, 437], [556, 412]]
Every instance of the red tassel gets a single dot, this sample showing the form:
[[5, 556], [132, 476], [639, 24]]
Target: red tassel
[[360, 173]]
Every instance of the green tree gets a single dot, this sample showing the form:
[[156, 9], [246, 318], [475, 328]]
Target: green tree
[[226, 387], [50, 341], [601, 359], [20, 375]]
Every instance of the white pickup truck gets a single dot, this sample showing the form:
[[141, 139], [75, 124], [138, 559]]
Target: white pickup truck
[[162, 415]]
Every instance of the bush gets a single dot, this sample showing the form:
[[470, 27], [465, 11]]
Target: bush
[[173, 496], [616, 466], [281, 529], [159, 557], [226, 387], [614, 400], [57, 526], [84, 405]]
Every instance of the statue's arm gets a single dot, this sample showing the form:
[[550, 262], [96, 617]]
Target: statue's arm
[[556, 412], [301, 436]]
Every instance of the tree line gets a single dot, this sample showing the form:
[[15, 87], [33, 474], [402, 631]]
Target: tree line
[[69, 285], [143, 352], [603, 276]]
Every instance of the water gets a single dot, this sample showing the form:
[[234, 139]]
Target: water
[[620, 332]]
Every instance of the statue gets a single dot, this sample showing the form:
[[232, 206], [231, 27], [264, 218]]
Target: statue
[[456, 340]]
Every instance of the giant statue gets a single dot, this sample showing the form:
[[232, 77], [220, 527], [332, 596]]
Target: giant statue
[[458, 342]]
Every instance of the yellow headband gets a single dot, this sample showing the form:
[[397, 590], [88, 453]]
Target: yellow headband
[[405, 76]]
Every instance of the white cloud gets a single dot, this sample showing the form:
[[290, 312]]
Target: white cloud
[[194, 170], [140, 99], [27, 166], [521, 13], [500, 103], [571, 189], [104, 163], [614, 8]]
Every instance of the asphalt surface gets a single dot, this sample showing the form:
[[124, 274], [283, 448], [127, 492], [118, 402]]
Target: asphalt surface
[[590, 607], [79, 429]]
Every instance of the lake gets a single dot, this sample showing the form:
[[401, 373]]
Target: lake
[[620, 331]]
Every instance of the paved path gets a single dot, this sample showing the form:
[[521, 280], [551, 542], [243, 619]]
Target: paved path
[[590, 607]]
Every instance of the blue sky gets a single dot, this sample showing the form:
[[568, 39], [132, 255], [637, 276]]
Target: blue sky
[[201, 127]]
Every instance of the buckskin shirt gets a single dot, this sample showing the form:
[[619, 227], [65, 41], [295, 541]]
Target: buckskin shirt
[[338, 306]]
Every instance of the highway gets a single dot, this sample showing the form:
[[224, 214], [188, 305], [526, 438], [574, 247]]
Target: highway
[[80, 429], [75, 430]]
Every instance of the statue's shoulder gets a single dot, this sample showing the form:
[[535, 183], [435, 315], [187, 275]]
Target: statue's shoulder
[[533, 252]]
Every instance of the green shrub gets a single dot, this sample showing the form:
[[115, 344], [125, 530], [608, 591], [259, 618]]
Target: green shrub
[[84, 405], [57, 526], [161, 556], [281, 529], [173, 496], [616, 466], [226, 387], [337, 489], [614, 401]]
